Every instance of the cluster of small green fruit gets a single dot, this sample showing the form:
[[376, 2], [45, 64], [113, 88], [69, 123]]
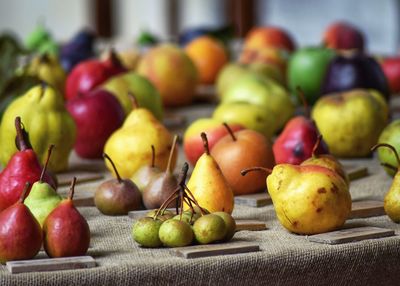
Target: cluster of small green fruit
[[164, 227]]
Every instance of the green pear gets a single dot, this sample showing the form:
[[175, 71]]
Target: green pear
[[143, 90], [248, 115], [391, 202], [351, 121], [42, 198], [390, 135], [263, 91], [229, 73]]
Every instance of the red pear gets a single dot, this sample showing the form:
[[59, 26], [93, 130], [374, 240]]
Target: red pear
[[21, 168], [20, 232], [66, 231]]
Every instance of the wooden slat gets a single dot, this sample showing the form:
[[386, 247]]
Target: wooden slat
[[364, 209], [351, 234], [141, 213], [64, 179], [84, 201], [50, 264], [355, 173], [254, 200], [198, 251], [252, 225]]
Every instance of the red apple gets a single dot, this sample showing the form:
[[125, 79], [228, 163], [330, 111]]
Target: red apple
[[391, 69], [261, 37], [97, 115], [91, 73], [343, 36], [214, 129]]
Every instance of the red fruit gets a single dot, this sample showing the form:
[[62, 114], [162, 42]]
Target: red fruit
[[20, 232], [343, 36], [97, 115], [66, 232], [277, 37], [295, 143], [91, 73], [21, 168], [391, 69]]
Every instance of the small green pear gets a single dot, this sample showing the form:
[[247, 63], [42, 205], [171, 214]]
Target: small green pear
[[42, 198], [391, 202]]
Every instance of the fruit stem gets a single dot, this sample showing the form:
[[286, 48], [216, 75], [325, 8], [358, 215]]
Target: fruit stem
[[245, 171], [44, 58], [205, 143], [193, 199], [171, 154], [390, 166], [316, 145], [114, 58], [391, 148], [167, 202], [72, 189], [135, 103], [24, 192], [230, 131], [46, 163], [105, 156], [43, 87], [22, 138], [153, 156], [302, 97]]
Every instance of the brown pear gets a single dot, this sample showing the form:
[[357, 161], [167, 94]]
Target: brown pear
[[162, 185], [145, 174], [117, 196]]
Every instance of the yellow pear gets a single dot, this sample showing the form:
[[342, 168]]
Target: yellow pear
[[129, 145], [208, 185]]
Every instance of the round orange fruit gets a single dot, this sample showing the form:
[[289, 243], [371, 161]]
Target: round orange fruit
[[209, 56]]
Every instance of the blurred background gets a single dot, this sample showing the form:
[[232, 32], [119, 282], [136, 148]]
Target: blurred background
[[124, 20]]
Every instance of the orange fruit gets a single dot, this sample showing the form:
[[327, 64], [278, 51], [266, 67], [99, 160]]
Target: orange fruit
[[209, 56]]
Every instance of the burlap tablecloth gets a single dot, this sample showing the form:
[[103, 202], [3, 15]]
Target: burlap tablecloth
[[284, 259]]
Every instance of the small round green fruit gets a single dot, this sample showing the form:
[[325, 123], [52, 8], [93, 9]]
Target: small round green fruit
[[176, 233], [229, 223], [209, 228], [145, 232]]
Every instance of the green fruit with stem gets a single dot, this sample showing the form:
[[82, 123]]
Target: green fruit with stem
[[176, 233], [145, 232]]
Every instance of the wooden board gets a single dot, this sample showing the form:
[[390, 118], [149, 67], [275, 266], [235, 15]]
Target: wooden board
[[364, 209], [64, 179], [198, 251], [254, 200], [172, 120], [356, 172], [253, 225], [50, 264], [83, 200], [351, 234]]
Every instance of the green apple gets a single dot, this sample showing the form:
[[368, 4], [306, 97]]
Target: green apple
[[351, 121], [307, 68], [144, 91], [250, 116], [259, 90], [390, 135]]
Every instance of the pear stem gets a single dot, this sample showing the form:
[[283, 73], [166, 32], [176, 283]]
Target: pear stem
[[316, 145], [302, 97], [230, 131], [105, 156], [171, 154], [43, 87], [24, 192], [205, 143], [44, 58], [390, 166], [72, 189], [153, 156], [22, 139], [135, 103], [391, 148], [114, 58], [245, 171], [46, 163]]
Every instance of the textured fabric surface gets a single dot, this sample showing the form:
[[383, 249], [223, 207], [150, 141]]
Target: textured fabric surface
[[284, 259]]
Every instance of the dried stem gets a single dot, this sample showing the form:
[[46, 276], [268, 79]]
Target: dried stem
[[46, 163], [245, 171], [105, 156], [230, 131]]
